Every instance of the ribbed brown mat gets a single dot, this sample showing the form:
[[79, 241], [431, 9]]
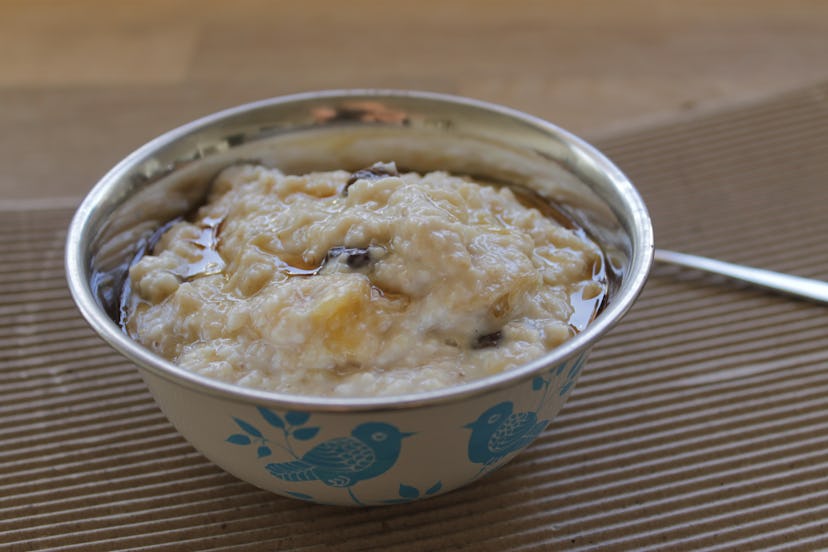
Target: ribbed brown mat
[[702, 421]]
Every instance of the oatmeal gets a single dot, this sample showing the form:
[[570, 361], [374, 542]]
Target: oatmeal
[[360, 284]]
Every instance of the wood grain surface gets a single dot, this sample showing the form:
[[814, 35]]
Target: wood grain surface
[[82, 83]]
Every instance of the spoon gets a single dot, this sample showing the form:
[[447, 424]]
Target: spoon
[[805, 288]]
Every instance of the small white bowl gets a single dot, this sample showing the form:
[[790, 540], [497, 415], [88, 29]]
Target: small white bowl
[[368, 451]]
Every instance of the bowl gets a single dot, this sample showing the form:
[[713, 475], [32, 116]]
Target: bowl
[[358, 451]]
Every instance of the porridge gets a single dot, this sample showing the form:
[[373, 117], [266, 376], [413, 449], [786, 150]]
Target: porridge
[[361, 284]]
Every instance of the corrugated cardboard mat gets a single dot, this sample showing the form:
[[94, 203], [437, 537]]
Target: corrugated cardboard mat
[[700, 423]]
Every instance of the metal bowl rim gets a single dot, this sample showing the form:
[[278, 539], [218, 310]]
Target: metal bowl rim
[[634, 279]]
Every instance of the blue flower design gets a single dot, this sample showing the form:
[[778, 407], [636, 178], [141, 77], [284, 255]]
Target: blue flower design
[[409, 493], [571, 375]]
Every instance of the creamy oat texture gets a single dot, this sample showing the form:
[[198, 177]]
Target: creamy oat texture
[[368, 284]]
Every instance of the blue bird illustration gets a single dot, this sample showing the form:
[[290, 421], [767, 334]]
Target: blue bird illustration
[[500, 431], [370, 451]]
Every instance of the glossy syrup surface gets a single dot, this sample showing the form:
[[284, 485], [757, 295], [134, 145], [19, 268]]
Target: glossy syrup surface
[[586, 304]]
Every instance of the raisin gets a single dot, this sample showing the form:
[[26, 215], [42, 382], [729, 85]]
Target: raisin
[[488, 340], [358, 258], [355, 257], [376, 171]]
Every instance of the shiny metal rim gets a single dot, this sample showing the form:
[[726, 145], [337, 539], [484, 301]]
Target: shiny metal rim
[[634, 280]]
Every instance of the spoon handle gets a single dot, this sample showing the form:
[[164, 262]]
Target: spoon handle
[[806, 288]]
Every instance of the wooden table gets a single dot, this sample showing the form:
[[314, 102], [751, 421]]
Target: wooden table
[[82, 83]]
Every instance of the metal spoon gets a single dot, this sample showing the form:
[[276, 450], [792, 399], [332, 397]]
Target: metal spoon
[[805, 288]]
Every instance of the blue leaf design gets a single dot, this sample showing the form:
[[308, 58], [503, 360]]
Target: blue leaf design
[[575, 369], [248, 428], [263, 451], [303, 496], [435, 488], [560, 368], [565, 388], [239, 439], [407, 491], [537, 383], [305, 433], [271, 417], [297, 418]]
